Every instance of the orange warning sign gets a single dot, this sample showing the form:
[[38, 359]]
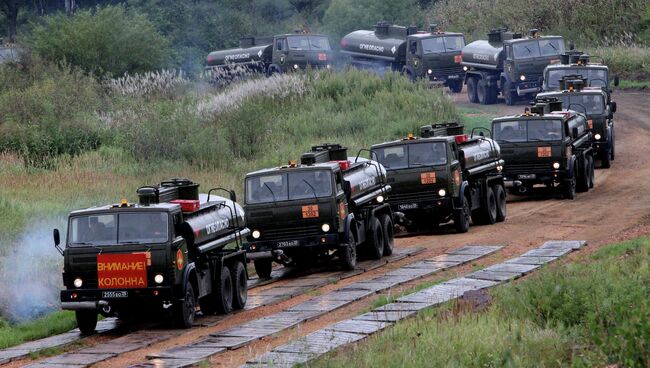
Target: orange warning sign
[[310, 211], [122, 271], [543, 151], [428, 177]]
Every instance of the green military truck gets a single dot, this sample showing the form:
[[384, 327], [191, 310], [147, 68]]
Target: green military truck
[[168, 252], [432, 55], [546, 146], [577, 63], [277, 54], [508, 65], [327, 206], [595, 103], [444, 175]]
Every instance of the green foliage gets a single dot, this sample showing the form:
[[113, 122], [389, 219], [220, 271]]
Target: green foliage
[[11, 335], [108, 40], [645, 26]]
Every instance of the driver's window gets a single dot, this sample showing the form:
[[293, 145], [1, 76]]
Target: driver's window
[[278, 45], [339, 183], [177, 225], [454, 155], [414, 47], [509, 52]]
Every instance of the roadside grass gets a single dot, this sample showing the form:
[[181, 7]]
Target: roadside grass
[[52, 324], [592, 313], [633, 84], [628, 62]]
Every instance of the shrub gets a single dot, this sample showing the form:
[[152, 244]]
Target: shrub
[[109, 40]]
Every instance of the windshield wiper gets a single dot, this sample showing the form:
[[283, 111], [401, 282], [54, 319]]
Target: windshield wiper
[[90, 244], [312, 189], [272, 194]]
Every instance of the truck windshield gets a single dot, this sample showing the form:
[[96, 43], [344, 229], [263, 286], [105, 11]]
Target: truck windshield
[[412, 155], [123, 228], [314, 43], [301, 184], [589, 104], [538, 48], [442, 44], [596, 77], [527, 130]]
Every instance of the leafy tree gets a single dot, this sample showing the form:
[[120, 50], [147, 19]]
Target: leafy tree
[[108, 40]]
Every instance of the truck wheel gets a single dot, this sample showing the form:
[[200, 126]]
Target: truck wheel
[[86, 321], [569, 187], [500, 196], [612, 145], [606, 159], [389, 238], [456, 86], [582, 183], [263, 268], [240, 287], [471, 90], [482, 92], [185, 309], [509, 96], [348, 254], [376, 239], [224, 292], [490, 215], [462, 216], [590, 167]]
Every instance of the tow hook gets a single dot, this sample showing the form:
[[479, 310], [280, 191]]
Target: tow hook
[[282, 258], [400, 217]]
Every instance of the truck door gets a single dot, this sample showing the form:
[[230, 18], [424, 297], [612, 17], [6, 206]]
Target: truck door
[[454, 170], [414, 54], [280, 53], [509, 64], [341, 200]]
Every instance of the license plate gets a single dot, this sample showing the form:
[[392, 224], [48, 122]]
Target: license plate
[[408, 206], [115, 294], [453, 76], [526, 176], [288, 243]]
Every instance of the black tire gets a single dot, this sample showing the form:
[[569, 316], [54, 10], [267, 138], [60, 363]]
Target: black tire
[[376, 237], [606, 159], [224, 294], [462, 216], [389, 234], [508, 95], [490, 214], [592, 174], [613, 146], [455, 86], [582, 182], [471, 90], [482, 92], [569, 187], [500, 195], [263, 268], [185, 309], [348, 254], [86, 321], [240, 286], [492, 95]]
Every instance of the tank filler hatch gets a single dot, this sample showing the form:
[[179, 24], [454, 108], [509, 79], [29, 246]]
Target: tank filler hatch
[[572, 83], [441, 129], [169, 190], [544, 105], [324, 153]]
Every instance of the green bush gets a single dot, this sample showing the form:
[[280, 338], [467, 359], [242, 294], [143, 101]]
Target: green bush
[[109, 40]]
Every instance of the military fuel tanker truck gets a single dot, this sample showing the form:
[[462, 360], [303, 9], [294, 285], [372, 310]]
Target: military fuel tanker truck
[[595, 104], [577, 63], [546, 146], [167, 252], [327, 206], [277, 54], [444, 175], [433, 55], [508, 64]]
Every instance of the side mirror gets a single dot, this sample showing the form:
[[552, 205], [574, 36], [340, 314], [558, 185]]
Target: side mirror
[[57, 240], [541, 81], [613, 106], [616, 80], [347, 187], [233, 196], [572, 46], [574, 132]]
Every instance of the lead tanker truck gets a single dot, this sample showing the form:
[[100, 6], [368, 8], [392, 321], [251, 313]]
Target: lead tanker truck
[[328, 206], [508, 65], [432, 55], [171, 251], [277, 54], [444, 175]]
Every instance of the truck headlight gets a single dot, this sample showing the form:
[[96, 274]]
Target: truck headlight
[[556, 165], [256, 234], [158, 279], [429, 71], [597, 136], [325, 228], [380, 199], [78, 282], [522, 77], [442, 192], [295, 66], [465, 68], [328, 66]]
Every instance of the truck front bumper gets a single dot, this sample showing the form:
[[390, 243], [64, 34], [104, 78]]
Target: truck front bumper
[[265, 248], [79, 299], [538, 177], [438, 208]]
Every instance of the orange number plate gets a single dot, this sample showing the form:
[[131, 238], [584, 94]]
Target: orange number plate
[[543, 151], [428, 177], [458, 59], [310, 211], [122, 271]]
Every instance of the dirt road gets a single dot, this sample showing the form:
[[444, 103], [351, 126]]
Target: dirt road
[[619, 203]]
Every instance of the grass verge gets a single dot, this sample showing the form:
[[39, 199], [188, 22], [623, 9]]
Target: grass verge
[[592, 313], [52, 324]]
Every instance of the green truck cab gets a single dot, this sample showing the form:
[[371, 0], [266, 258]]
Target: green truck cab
[[433, 55], [546, 145], [508, 65], [577, 63], [327, 206], [168, 253], [444, 175], [596, 104]]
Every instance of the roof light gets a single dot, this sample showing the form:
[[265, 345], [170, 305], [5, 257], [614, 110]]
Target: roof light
[[410, 136], [292, 163], [344, 164], [462, 138]]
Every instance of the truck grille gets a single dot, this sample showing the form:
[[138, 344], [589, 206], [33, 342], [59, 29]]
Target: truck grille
[[291, 232], [412, 197], [448, 70], [527, 168]]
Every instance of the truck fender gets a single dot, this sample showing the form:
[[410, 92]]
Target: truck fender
[[383, 209], [572, 163], [461, 192], [349, 226], [189, 275], [409, 72]]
